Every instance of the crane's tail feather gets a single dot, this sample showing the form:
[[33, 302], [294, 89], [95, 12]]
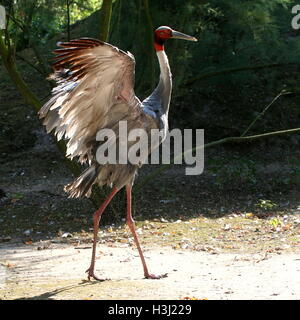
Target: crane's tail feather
[[82, 185]]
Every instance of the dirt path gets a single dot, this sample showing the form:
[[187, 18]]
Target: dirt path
[[58, 273], [252, 245]]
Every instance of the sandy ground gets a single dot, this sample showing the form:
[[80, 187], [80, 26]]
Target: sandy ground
[[57, 272]]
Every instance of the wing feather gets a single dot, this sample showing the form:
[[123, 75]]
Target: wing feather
[[95, 88]]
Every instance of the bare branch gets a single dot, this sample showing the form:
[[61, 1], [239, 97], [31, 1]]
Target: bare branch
[[164, 167]]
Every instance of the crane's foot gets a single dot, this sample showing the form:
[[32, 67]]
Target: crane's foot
[[153, 276], [92, 275]]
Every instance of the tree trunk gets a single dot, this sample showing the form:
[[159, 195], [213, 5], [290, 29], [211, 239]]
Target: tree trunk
[[68, 20], [105, 17], [10, 65], [150, 40]]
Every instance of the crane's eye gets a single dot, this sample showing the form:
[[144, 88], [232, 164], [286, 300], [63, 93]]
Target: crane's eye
[[164, 33]]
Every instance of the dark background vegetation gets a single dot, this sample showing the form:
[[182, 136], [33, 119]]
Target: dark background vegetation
[[247, 54]]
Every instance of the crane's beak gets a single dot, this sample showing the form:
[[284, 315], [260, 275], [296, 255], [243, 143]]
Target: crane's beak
[[179, 35]]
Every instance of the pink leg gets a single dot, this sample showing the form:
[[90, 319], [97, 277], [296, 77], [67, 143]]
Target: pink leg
[[96, 218], [131, 225]]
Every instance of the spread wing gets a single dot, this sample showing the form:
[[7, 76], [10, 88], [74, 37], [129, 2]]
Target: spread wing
[[95, 90]]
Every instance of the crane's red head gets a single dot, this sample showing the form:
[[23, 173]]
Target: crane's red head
[[164, 33]]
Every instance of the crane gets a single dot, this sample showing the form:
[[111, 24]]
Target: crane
[[95, 90]]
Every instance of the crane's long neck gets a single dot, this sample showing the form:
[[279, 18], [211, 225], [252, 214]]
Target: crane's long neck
[[164, 88]]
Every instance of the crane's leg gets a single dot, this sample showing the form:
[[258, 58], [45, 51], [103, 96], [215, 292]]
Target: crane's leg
[[96, 219], [131, 225]]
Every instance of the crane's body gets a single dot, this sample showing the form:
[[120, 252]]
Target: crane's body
[[97, 92]]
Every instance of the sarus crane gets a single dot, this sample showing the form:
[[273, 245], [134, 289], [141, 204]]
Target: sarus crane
[[95, 90]]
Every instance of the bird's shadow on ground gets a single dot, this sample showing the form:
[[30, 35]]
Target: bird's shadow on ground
[[50, 294]]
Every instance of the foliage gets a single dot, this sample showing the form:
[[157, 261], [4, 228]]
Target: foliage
[[45, 18], [266, 205]]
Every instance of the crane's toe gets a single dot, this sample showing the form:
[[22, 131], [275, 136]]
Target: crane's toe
[[153, 276], [92, 275]]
